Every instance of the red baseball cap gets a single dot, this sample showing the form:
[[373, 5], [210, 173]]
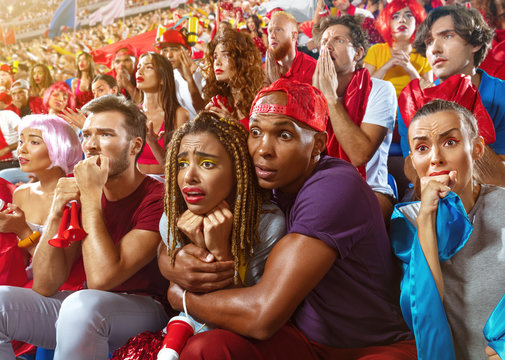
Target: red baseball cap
[[304, 103], [172, 37]]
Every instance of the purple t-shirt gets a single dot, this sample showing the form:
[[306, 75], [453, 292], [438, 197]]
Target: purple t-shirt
[[356, 304]]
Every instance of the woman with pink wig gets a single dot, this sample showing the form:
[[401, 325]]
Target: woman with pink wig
[[396, 61], [48, 148], [57, 98]]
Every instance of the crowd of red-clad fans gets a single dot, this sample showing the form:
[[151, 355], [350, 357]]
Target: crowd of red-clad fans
[[256, 180]]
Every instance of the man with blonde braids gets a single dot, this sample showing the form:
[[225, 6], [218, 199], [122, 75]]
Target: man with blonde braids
[[333, 275]]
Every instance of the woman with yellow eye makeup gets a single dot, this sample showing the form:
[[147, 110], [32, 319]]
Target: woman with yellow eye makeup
[[213, 199], [213, 202]]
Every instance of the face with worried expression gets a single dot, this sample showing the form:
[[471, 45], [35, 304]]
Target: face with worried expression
[[205, 172], [284, 151]]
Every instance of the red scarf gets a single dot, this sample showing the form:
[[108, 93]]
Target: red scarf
[[355, 102], [457, 88], [351, 10]]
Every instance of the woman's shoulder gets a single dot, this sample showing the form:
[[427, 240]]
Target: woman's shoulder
[[22, 192], [492, 193], [24, 189], [272, 220]]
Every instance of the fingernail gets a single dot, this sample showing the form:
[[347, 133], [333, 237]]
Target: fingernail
[[209, 258]]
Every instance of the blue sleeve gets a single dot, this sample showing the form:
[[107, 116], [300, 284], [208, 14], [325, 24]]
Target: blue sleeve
[[491, 91], [402, 130]]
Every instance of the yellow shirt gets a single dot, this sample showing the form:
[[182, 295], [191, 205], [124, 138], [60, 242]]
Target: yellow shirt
[[379, 54]]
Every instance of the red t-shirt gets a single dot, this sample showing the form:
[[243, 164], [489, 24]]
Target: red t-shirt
[[302, 69], [141, 210]]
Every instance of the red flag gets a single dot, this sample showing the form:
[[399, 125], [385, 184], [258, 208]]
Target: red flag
[[10, 37], [140, 43]]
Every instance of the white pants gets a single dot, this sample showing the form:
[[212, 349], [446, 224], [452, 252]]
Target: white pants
[[85, 324]]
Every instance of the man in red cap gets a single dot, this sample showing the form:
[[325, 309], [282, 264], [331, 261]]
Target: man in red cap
[[362, 109], [333, 275], [282, 59], [123, 70], [23, 104], [188, 78]]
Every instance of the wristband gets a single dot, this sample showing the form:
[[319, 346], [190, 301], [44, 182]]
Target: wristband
[[32, 239]]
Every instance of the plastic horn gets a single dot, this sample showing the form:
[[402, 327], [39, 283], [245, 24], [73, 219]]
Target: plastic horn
[[193, 31], [59, 241], [74, 232], [179, 330]]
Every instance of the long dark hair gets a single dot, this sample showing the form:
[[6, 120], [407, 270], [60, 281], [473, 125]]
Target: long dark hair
[[92, 66], [167, 92]]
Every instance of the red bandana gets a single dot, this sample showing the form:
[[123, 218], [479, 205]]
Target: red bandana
[[355, 102], [457, 88]]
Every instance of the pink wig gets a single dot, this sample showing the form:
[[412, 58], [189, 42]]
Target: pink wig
[[63, 144], [383, 22], [60, 86]]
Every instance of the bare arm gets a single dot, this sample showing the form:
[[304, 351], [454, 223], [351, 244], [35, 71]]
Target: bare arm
[[74, 84], [187, 70], [359, 142], [108, 265], [152, 139], [317, 17], [260, 310], [8, 149], [51, 265], [195, 269], [181, 117]]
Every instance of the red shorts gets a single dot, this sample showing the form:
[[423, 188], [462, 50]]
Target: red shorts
[[288, 343]]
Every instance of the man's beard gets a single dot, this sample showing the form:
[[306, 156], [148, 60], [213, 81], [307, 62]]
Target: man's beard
[[119, 164], [281, 50]]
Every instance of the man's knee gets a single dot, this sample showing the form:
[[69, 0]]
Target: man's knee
[[81, 310]]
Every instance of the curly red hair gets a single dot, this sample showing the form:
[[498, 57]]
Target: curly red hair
[[383, 22], [247, 69]]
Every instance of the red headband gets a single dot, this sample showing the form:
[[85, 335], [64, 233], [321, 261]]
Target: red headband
[[304, 103]]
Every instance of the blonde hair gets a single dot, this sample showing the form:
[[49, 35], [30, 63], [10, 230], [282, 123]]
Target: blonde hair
[[248, 198], [288, 16]]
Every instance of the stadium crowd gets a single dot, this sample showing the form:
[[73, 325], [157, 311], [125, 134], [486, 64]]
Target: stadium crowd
[[294, 179]]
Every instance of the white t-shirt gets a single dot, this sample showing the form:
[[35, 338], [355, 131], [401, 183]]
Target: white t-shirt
[[364, 12], [9, 122], [381, 110], [182, 89]]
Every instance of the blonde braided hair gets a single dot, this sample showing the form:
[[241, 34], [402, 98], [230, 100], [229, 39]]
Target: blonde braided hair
[[248, 198]]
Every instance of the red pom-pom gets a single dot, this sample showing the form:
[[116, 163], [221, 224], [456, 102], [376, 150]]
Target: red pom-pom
[[144, 346]]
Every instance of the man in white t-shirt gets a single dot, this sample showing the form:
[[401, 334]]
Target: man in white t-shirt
[[9, 122], [362, 110], [188, 79]]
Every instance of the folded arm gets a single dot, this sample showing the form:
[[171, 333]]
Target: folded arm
[[260, 310]]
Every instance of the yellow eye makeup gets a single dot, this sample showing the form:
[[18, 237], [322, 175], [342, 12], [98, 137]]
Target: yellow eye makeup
[[203, 161]]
